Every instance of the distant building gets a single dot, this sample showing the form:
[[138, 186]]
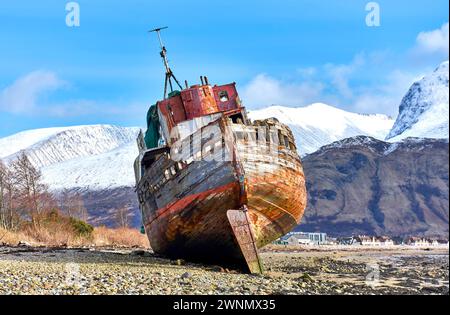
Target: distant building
[[418, 241], [350, 240], [398, 240], [332, 240], [385, 241], [280, 241], [439, 242], [317, 238], [293, 240], [365, 240], [302, 238]]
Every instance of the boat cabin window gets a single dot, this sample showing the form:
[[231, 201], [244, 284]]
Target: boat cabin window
[[268, 135], [240, 135], [223, 96], [237, 118], [189, 160], [280, 138], [286, 142], [252, 134], [292, 146], [166, 174]]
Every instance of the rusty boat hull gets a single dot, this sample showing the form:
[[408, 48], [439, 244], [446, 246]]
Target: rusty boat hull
[[205, 208]]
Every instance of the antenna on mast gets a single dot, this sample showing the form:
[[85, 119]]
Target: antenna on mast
[[163, 53]]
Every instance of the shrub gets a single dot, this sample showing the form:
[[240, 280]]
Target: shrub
[[81, 228]]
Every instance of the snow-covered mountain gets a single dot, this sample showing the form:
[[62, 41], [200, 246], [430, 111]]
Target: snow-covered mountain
[[424, 110], [94, 157], [319, 124], [107, 170], [48, 146]]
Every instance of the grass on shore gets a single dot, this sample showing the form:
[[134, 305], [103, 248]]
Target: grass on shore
[[99, 237]]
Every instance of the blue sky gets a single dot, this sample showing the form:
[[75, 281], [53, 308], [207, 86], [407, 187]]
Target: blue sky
[[290, 53]]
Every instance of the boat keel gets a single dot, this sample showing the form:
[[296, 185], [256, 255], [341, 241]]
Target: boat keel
[[243, 233]]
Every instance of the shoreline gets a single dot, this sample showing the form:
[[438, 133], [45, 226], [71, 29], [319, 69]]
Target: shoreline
[[311, 271]]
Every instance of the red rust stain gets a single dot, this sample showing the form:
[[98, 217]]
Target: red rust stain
[[178, 205]]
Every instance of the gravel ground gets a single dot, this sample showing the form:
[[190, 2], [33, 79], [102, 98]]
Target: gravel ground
[[28, 270]]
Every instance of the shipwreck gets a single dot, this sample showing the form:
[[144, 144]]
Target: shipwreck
[[213, 186]]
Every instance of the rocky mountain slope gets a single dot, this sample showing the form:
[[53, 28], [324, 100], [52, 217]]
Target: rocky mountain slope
[[362, 185], [424, 111]]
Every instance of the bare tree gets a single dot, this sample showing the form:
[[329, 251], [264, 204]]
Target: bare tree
[[122, 217], [3, 203], [72, 205], [8, 216], [80, 210], [23, 197], [64, 202], [27, 181]]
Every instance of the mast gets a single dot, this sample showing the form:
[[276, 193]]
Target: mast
[[163, 53]]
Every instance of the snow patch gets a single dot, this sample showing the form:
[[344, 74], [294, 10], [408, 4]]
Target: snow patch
[[102, 171], [424, 111], [391, 148]]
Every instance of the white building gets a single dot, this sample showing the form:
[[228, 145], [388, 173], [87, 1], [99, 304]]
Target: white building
[[418, 241], [301, 238], [386, 241], [368, 240], [318, 238], [374, 240]]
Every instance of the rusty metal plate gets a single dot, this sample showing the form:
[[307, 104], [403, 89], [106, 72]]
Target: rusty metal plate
[[243, 233]]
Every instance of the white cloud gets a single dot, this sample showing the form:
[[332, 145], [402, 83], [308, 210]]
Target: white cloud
[[340, 75], [307, 72], [436, 41], [264, 90], [329, 83], [386, 97], [81, 107], [358, 86], [26, 96], [23, 94]]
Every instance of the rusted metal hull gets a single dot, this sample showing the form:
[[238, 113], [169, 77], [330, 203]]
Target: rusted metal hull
[[220, 211]]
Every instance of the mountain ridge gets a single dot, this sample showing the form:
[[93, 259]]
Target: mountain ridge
[[424, 110]]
